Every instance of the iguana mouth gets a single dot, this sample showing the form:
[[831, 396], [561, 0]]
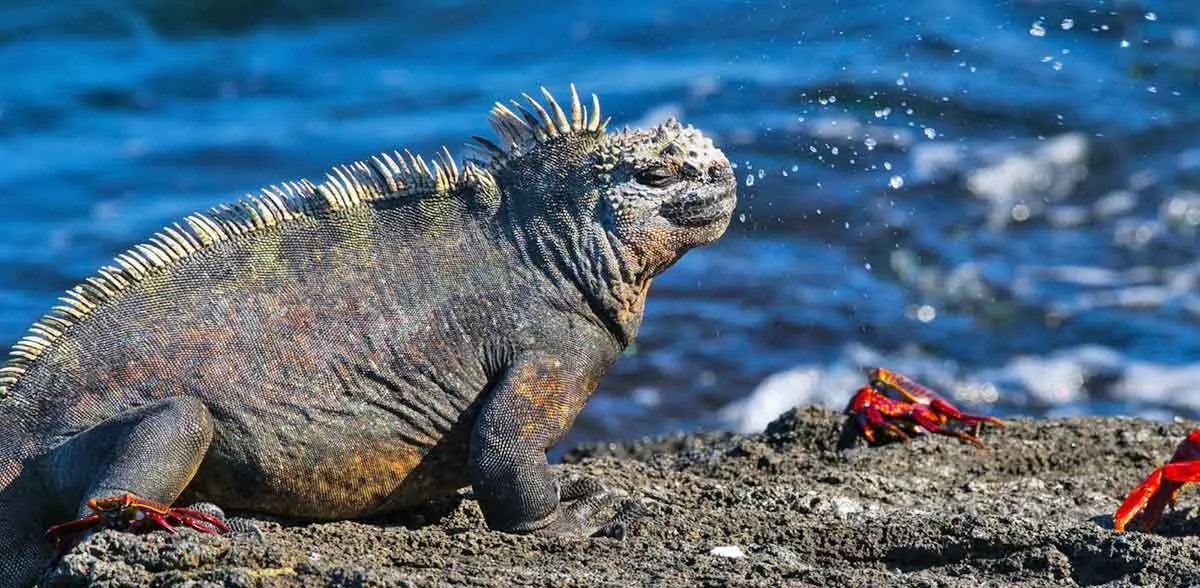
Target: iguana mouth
[[701, 209]]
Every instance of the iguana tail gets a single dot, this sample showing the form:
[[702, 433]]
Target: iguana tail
[[24, 550]]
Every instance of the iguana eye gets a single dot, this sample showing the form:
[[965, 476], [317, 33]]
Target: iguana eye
[[655, 177]]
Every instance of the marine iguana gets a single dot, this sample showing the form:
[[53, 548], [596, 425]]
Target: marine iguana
[[360, 346]]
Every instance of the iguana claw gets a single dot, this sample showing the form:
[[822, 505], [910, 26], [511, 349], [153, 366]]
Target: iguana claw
[[127, 512], [588, 509]]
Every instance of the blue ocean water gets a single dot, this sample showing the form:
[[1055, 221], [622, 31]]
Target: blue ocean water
[[999, 198]]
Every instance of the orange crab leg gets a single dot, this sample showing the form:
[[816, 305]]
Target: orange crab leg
[[1154, 494], [943, 407], [932, 421], [1138, 500]]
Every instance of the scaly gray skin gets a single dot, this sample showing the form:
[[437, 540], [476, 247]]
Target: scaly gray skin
[[365, 345]]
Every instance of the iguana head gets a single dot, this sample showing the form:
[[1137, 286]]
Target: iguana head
[[652, 193], [665, 190]]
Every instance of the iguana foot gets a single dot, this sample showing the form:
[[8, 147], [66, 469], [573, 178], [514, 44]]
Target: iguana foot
[[127, 512], [236, 525], [583, 508]]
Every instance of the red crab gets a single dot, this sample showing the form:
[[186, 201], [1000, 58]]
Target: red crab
[[131, 513], [916, 410], [1161, 486]]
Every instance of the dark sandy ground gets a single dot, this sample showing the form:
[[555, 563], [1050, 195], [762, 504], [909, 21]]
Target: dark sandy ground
[[1034, 509]]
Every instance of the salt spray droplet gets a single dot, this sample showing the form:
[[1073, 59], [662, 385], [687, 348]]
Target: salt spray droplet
[[930, 133], [896, 182], [1037, 29], [749, 179]]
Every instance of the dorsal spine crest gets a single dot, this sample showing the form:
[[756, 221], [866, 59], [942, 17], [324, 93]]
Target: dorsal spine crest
[[384, 177]]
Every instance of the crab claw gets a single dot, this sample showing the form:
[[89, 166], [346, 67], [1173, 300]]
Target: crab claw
[[1151, 497], [869, 419], [131, 513]]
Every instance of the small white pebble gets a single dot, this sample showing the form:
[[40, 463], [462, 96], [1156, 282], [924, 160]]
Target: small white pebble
[[844, 506], [730, 551]]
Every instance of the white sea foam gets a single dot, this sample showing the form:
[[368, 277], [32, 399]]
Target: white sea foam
[[1060, 384], [784, 390]]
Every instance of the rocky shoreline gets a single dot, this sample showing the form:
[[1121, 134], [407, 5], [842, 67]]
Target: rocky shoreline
[[785, 506]]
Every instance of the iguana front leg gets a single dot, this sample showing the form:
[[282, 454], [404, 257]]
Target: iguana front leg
[[130, 468], [526, 413]]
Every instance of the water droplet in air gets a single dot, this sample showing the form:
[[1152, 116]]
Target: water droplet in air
[[749, 179], [1037, 29], [887, 165], [926, 313], [870, 143], [867, 266], [883, 112], [896, 182], [1150, 16], [742, 217], [1124, 43], [1068, 24], [1020, 213], [930, 132]]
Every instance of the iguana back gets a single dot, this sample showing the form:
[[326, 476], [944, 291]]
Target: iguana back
[[364, 345]]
